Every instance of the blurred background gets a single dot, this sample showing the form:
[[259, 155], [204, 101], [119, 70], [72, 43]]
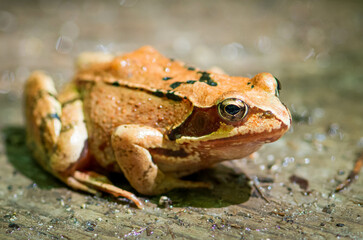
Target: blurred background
[[313, 47]]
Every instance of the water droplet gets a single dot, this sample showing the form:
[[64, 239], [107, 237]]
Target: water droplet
[[270, 157], [310, 54], [320, 137], [123, 63], [6, 81], [274, 168], [64, 44], [287, 161]]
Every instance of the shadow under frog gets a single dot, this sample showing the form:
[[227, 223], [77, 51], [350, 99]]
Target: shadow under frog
[[229, 188], [20, 157]]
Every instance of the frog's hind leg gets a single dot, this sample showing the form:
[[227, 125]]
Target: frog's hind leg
[[57, 134], [43, 112]]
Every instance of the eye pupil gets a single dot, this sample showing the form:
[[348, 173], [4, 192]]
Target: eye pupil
[[232, 109]]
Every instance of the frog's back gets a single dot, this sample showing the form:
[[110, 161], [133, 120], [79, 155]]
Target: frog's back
[[147, 69]]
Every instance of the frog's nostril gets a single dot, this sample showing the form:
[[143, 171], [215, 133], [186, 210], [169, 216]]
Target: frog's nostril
[[268, 114]]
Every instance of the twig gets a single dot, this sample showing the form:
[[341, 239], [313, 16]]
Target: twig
[[259, 192], [353, 174]]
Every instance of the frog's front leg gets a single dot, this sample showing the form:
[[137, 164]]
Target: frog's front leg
[[130, 144], [57, 134]]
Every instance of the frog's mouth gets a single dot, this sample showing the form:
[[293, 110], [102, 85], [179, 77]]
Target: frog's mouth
[[214, 148], [237, 136], [206, 125]]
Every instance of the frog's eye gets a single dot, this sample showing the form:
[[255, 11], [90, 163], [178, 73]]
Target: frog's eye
[[278, 87], [232, 109]]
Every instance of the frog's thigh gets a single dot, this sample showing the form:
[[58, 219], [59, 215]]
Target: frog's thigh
[[73, 135], [130, 144], [42, 111]]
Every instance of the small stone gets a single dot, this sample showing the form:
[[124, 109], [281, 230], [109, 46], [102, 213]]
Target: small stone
[[14, 226], [165, 202]]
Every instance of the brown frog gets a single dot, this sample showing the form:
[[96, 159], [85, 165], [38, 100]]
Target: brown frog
[[150, 117]]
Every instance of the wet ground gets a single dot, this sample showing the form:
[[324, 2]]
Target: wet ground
[[313, 47]]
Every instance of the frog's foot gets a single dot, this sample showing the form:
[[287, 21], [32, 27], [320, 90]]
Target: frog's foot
[[87, 181], [75, 184], [130, 144]]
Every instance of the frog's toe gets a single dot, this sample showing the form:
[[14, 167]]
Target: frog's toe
[[73, 183], [102, 183]]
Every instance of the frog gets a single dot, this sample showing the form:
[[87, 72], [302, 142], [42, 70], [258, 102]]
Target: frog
[[149, 118]]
